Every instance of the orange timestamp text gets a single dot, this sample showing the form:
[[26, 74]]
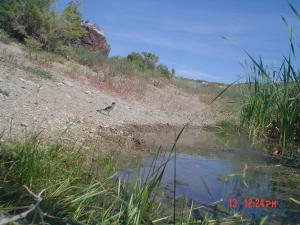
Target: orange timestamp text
[[253, 203]]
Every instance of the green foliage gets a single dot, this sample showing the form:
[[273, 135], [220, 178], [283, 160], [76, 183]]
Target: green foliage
[[33, 16], [4, 37], [72, 18], [36, 19], [150, 59], [272, 103], [146, 63], [10, 16], [120, 66], [85, 56], [138, 60], [77, 192], [32, 45], [163, 69], [38, 72]]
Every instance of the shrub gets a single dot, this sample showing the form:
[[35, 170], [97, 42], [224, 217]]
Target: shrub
[[38, 72], [119, 66], [163, 70], [272, 103], [33, 46], [86, 56], [4, 37]]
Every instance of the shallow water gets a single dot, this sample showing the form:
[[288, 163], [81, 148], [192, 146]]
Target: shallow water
[[233, 172]]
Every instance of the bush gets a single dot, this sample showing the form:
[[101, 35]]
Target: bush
[[38, 72], [4, 37], [163, 70], [86, 57], [120, 66], [33, 46]]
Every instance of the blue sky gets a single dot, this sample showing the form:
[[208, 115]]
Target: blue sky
[[186, 35]]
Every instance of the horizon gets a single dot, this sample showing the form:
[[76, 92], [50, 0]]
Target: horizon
[[192, 42]]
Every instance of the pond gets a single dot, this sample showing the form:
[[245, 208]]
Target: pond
[[226, 171]]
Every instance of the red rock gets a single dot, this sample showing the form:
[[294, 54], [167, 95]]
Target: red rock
[[94, 38]]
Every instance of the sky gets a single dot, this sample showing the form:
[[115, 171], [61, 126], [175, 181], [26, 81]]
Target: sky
[[187, 34]]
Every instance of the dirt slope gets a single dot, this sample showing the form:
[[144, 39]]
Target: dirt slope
[[62, 103]]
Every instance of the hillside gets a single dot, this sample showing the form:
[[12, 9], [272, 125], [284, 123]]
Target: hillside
[[56, 98]]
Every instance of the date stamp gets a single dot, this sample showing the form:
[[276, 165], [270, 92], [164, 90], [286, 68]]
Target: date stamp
[[250, 203]]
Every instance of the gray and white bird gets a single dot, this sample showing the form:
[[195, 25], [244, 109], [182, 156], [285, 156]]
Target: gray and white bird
[[108, 109]]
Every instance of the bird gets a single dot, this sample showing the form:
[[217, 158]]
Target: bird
[[107, 109]]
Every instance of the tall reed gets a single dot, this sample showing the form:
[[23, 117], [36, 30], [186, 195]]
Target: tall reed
[[272, 103]]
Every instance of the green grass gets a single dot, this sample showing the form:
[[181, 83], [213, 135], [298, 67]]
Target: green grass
[[272, 102], [78, 189], [85, 56], [39, 72], [75, 192], [4, 37], [227, 126]]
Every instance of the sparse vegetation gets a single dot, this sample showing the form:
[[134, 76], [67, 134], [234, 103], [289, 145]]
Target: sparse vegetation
[[4, 37], [33, 46], [147, 63], [85, 56], [38, 72]]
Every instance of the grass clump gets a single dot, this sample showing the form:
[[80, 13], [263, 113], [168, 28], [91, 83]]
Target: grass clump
[[227, 126], [4, 37], [38, 72], [272, 104], [78, 190], [85, 56]]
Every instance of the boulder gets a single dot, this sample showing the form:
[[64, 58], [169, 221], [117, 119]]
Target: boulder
[[94, 38]]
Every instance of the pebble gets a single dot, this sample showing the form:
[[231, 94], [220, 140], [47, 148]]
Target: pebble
[[68, 83], [24, 125]]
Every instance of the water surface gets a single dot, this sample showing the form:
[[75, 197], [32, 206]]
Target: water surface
[[230, 169]]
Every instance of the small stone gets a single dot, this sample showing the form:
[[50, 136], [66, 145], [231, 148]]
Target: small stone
[[88, 92], [60, 84], [68, 83], [24, 125]]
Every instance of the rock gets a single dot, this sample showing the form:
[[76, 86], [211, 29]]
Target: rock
[[29, 82], [68, 83], [94, 38], [60, 84], [24, 125], [88, 92]]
